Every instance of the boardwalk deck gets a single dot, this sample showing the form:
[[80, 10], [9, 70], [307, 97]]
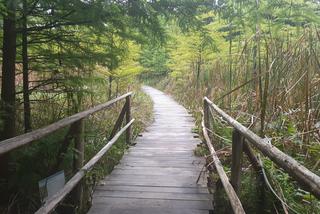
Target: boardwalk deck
[[159, 174]]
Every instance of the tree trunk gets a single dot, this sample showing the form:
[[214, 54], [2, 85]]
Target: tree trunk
[[25, 71], [230, 70], [8, 88], [110, 87], [8, 73], [198, 65], [117, 89]]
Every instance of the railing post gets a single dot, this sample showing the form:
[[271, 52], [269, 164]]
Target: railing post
[[119, 121], [237, 147], [128, 119], [78, 161], [206, 113]]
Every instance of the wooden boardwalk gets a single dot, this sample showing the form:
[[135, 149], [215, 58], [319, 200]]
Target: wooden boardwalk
[[158, 174]]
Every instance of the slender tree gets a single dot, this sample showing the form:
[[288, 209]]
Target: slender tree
[[8, 94]]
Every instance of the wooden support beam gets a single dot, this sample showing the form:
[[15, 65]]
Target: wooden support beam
[[304, 176], [232, 195], [237, 147], [119, 121], [206, 114], [128, 118], [78, 162]]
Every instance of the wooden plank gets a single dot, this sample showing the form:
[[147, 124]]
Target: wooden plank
[[169, 177], [130, 203], [169, 141], [184, 159], [192, 162], [102, 208], [146, 171], [303, 175], [153, 195], [160, 153], [163, 164], [162, 160], [133, 153], [168, 138], [163, 149], [157, 144], [184, 190], [169, 134], [21, 140]]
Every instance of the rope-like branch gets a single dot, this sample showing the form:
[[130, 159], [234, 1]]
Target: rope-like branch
[[271, 188]]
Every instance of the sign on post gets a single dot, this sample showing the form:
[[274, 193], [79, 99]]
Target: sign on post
[[51, 185]]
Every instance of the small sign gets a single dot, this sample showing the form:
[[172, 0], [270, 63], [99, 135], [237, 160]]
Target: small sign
[[51, 185]]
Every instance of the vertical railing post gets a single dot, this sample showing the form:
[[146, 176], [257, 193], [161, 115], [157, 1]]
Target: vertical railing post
[[237, 147], [206, 113], [128, 118], [78, 161]]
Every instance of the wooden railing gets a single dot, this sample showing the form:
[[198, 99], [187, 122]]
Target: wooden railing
[[241, 138], [76, 124]]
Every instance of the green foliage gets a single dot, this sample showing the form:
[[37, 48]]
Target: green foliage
[[154, 60]]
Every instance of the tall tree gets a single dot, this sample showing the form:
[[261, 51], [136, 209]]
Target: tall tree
[[8, 92], [8, 70], [25, 69]]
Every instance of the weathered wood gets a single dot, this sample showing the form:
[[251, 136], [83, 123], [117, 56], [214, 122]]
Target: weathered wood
[[21, 140], [151, 170], [128, 118], [237, 147], [78, 161], [137, 204], [160, 172], [303, 175], [154, 195], [206, 114], [232, 195], [159, 189], [145, 210], [119, 121], [52, 202]]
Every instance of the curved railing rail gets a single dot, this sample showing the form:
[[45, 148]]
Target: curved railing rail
[[76, 124], [241, 138]]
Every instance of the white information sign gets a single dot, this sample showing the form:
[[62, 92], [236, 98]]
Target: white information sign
[[51, 185]]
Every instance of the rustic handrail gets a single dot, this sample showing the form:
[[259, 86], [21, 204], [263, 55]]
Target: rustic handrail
[[52, 202], [21, 140], [232, 195], [303, 175], [76, 122]]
